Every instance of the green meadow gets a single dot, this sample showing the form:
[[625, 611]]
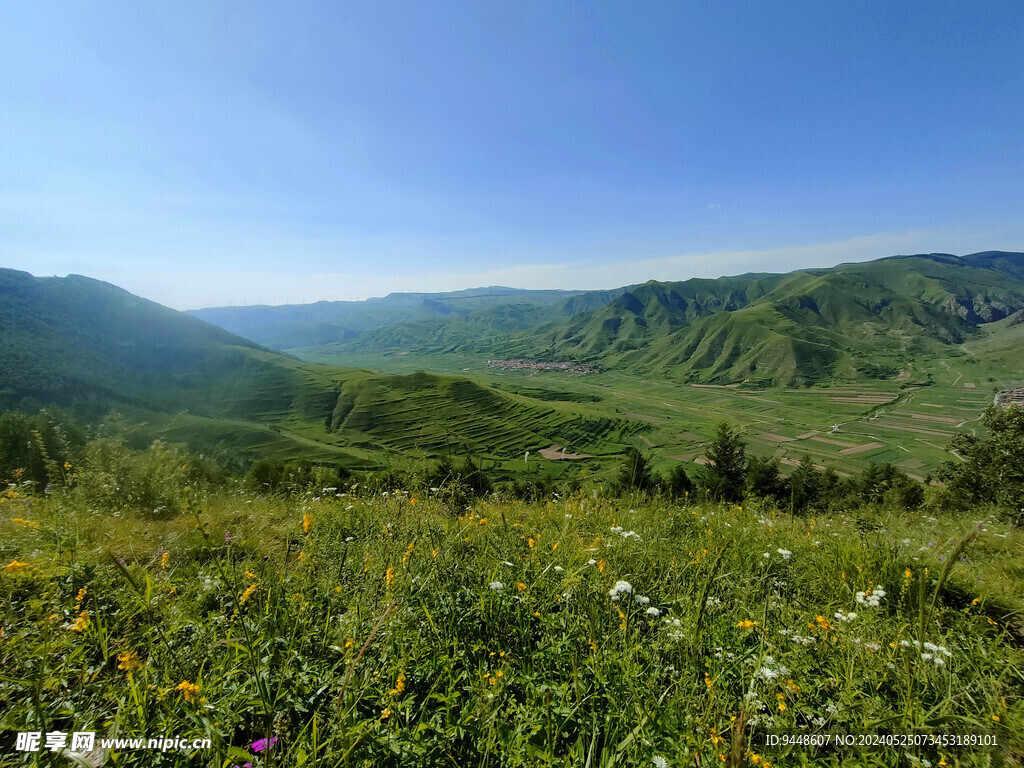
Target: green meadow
[[350, 626], [908, 422]]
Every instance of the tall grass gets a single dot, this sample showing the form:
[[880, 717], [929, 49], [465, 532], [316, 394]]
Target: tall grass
[[392, 630]]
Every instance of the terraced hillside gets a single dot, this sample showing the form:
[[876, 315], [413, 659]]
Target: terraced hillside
[[92, 347], [426, 414]]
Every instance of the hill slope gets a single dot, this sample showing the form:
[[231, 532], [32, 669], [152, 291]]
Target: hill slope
[[91, 346], [852, 320]]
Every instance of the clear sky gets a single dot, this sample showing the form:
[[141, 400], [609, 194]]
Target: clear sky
[[209, 153]]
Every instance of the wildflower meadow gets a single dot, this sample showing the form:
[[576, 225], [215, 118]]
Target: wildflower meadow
[[349, 626]]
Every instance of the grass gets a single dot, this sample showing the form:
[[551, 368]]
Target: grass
[[392, 630], [912, 420]]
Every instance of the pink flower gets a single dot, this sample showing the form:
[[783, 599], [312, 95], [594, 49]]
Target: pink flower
[[263, 744]]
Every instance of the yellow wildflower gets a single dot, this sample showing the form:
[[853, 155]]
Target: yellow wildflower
[[554, 547], [307, 522], [250, 575], [708, 681], [399, 686], [348, 643], [188, 690], [80, 597], [81, 623], [385, 714], [602, 566], [128, 660], [482, 521], [389, 576], [521, 586], [302, 556], [165, 559], [247, 594], [67, 465], [29, 523], [823, 622], [746, 624], [413, 501], [531, 542], [492, 680], [14, 566]]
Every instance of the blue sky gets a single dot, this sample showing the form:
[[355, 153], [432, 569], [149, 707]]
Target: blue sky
[[206, 153]]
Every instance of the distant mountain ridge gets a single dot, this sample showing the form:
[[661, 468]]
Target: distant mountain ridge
[[854, 320], [291, 326]]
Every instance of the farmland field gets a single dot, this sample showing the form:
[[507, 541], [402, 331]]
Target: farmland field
[[907, 422]]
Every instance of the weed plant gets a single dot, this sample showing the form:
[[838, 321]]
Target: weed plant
[[396, 629]]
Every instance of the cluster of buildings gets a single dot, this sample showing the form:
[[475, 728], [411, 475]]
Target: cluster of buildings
[[1010, 397], [518, 364]]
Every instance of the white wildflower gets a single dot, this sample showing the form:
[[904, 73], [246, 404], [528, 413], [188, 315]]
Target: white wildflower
[[786, 554], [621, 588], [496, 586], [872, 598], [652, 611]]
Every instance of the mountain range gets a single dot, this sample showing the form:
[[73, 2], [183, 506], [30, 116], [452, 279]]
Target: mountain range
[[849, 322], [90, 347]]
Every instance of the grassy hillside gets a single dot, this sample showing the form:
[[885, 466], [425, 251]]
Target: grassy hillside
[[92, 347], [344, 629], [853, 321]]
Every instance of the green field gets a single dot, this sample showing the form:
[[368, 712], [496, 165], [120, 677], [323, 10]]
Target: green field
[[907, 422]]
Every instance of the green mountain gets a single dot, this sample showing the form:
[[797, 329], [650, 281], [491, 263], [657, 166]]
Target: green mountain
[[477, 330], [865, 320], [293, 326], [854, 320], [91, 346]]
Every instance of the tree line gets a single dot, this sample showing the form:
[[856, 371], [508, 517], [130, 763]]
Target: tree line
[[50, 449]]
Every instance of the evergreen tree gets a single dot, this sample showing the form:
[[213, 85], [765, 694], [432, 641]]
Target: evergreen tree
[[635, 473], [764, 480], [679, 483], [992, 470], [724, 475]]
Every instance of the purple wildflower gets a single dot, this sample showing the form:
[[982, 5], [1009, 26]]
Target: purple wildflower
[[263, 744]]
